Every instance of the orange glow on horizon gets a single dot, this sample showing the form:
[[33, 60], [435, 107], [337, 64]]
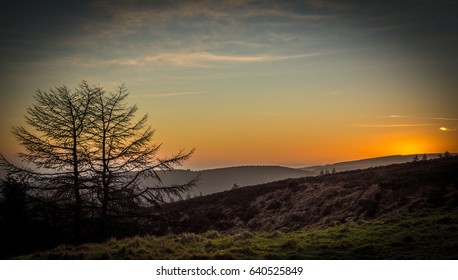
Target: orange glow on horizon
[[294, 143], [404, 146]]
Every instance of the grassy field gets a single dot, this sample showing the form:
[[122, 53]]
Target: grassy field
[[425, 234]]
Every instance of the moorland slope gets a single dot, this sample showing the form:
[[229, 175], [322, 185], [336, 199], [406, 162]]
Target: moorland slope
[[312, 202]]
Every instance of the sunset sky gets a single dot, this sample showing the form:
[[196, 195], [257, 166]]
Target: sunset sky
[[249, 82]]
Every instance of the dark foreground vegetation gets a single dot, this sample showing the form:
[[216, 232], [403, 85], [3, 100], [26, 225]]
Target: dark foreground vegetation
[[405, 211], [425, 234]]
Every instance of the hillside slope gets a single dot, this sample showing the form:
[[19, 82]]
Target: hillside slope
[[312, 202], [404, 211]]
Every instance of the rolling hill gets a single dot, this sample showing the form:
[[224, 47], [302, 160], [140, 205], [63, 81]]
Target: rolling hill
[[365, 163], [313, 202], [223, 179], [401, 211]]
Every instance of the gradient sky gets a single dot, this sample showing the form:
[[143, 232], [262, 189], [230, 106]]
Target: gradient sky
[[249, 82]]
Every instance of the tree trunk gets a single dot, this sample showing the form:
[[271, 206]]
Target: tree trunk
[[76, 189]]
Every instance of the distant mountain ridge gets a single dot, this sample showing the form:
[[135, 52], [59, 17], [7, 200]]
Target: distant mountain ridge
[[366, 163], [222, 179]]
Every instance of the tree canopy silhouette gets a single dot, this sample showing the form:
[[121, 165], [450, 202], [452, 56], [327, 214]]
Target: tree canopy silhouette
[[89, 155], [122, 157], [58, 119]]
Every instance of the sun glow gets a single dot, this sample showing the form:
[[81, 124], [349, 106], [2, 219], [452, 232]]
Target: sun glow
[[401, 146], [411, 148]]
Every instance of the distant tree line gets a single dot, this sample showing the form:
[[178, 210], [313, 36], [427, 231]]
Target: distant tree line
[[326, 172], [90, 163], [424, 157]]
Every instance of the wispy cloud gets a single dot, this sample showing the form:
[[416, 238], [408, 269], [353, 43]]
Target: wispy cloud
[[177, 59], [391, 125], [123, 62], [173, 94], [203, 58], [246, 43], [195, 59], [416, 120], [429, 117], [131, 17], [446, 119], [139, 14]]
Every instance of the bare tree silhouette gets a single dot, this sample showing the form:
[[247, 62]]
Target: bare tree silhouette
[[88, 153], [122, 158], [56, 127]]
